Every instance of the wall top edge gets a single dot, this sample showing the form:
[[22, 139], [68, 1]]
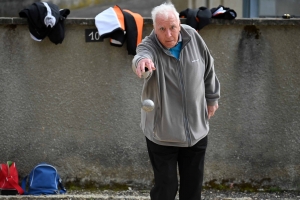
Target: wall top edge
[[148, 21]]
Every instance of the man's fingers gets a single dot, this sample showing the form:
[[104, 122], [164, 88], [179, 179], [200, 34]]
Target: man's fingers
[[212, 114], [151, 67], [211, 110], [142, 65], [140, 69]]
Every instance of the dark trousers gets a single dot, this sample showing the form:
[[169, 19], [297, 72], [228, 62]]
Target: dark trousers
[[164, 160]]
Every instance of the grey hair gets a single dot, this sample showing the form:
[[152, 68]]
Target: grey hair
[[164, 9]]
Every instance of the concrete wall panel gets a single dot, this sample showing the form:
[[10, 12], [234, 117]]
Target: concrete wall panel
[[76, 105]]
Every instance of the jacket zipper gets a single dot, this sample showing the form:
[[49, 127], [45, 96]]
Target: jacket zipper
[[186, 121]]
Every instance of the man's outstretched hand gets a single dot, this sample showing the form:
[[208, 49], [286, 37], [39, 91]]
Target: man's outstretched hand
[[142, 65]]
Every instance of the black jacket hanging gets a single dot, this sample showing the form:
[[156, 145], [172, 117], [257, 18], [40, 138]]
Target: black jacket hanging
[[45, 19], [196, 18]]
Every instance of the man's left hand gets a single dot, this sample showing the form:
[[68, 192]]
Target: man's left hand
[[211, 110]]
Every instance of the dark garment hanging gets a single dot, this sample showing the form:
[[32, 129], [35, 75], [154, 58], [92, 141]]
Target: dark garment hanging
[[196, 18], [45, 19]]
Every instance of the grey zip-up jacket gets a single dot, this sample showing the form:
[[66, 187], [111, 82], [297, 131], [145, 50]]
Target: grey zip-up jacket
[[180, 89]]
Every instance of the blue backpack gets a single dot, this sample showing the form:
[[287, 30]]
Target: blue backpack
[[43, 180]]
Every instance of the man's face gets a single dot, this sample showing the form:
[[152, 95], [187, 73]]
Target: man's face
[[167, 30]]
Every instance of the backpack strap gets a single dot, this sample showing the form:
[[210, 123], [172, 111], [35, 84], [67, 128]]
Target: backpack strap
[[9, 178], [63, 189], [23, 184], [15, 184]]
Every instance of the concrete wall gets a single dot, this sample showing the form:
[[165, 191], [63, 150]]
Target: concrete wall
[[76, 105], [11, 8], [77, 4]]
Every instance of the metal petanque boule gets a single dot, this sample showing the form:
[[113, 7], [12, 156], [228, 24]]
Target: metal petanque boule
[[148, 105]]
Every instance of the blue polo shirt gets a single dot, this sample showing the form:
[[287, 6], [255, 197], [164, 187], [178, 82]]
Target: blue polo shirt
[[175, 51]]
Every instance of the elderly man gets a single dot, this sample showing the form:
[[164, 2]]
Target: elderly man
[[179, 77]]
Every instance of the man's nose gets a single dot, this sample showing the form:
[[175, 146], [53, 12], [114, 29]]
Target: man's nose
[[168, 33]]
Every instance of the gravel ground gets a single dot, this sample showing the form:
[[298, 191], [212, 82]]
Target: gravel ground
[[206, 195], [144, 195]]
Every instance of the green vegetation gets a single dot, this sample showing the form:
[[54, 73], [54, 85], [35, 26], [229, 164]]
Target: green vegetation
[[92, 186], [223, 185], [251, 186]]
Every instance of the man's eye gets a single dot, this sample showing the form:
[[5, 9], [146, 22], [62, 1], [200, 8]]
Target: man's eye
[[162, 29]]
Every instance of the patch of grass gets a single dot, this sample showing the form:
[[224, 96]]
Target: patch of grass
[[274, 189], [249, 186]]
